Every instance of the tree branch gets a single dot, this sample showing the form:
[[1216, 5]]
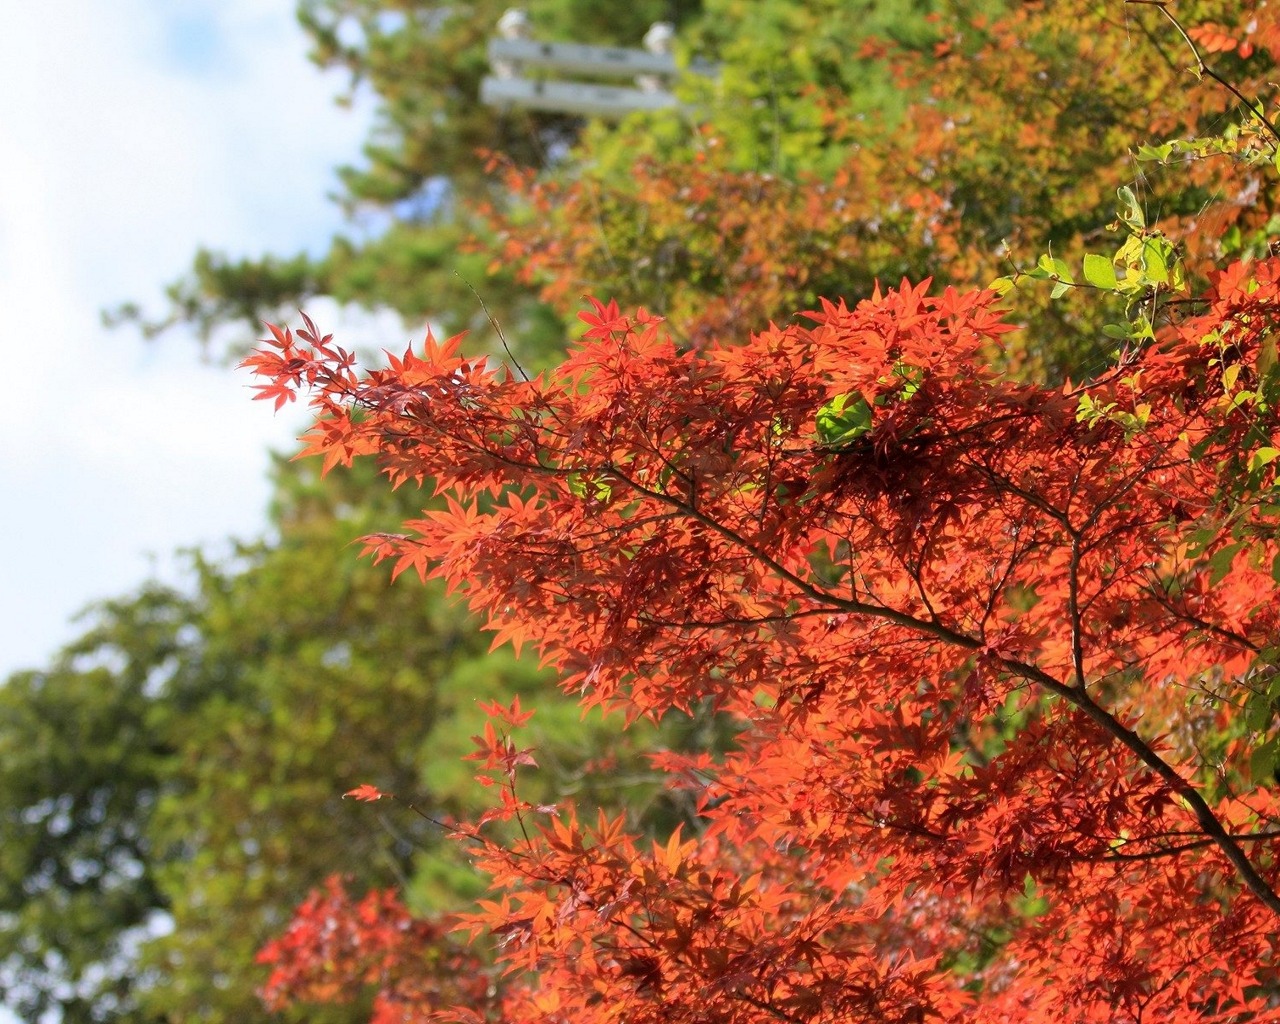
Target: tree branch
[[1073, 695], [1253, 106]]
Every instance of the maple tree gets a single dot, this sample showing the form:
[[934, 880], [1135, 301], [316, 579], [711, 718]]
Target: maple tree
[[878, 555], [1001, 655]]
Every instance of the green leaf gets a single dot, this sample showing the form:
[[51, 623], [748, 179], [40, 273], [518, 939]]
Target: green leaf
[[1055, 267], [1155, 260], [912, 377], [1220, 562], [1089, 410], [1130, 211], [1051, 268], [1262, 762], [843, 419], [1258, 712], [1263, 457], [586, 487], [1198, 542], [1160, 152], [1100, 272], [1242, 397]]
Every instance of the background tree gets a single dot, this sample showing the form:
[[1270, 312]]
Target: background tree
[[1012, 128], [412, 200], [79, 777], [841, 144]]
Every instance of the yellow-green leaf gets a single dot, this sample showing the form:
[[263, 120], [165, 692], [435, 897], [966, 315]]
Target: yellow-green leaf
[[1263, 457], [1100, 272]]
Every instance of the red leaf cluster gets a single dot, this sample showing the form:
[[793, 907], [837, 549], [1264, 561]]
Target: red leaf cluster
[[337, 946], [989, 654]]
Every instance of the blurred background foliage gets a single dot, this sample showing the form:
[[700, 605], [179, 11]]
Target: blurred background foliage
[[170, 783]]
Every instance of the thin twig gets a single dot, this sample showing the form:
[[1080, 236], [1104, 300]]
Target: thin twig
[[1255, 106], [495, 325]]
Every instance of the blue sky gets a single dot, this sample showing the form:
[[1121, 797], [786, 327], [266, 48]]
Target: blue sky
[[133, 132]]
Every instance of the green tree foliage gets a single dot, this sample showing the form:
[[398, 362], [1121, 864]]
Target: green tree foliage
[[785, 65], [80, 774], [425, 60]]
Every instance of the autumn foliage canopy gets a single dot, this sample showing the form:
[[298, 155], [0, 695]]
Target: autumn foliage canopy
[[1000, 658], [973, 632]]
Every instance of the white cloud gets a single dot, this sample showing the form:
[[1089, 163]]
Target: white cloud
[[131, 133]]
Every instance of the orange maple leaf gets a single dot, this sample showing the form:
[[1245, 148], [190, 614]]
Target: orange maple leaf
[[366, 793]]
